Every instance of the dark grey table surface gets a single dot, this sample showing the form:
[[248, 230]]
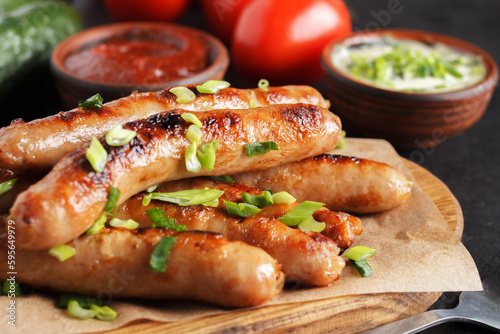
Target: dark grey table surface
[[467, 163]]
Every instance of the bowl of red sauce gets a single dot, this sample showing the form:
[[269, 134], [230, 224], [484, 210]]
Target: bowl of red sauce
[[117, 59]]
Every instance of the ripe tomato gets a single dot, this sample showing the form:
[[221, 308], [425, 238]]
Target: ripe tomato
[[146, 10], [282, 41], [221, 16]]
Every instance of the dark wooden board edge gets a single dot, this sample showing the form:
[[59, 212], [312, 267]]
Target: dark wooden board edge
[[348, 314]]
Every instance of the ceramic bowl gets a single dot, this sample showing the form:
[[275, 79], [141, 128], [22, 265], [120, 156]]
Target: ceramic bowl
[[406, 119], [73, 88]]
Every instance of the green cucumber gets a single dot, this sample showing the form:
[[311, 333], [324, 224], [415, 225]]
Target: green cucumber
[[29, 31]]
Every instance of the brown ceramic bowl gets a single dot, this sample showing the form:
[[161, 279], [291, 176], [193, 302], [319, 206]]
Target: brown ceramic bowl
[[407, 120], [73, 88]]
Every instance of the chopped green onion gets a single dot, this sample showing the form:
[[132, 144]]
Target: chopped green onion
[[300, 213], [191, 118], [62, 252], [160, 219], [9, 288], [310, 224], [342, 143], [95, 101], [212, 204], [223, 178], [118, 136], [257, 148], [283, 197], [98, 225], [363, 268], [7, 185], [185, 197], [153, 188], [77, 311], [159, 257], [193, 134], [206, 154], [113, 196], [97, 155], [359, 253], [193, 164], [254, 103], [263, 85], [104, 313], [242, 209], [84, 301], [128, 224], [212, 86], [184, 94], [262, 200]]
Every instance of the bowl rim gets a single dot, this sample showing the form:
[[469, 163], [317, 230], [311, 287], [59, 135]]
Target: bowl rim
[[357, 37], [217, 52]]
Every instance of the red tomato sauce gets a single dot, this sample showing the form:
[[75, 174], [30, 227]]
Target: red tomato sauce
[[140, 57]]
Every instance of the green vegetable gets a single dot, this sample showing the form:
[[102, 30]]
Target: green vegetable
[[62, 252], [342, 143], [160, 219], [7, 186], [193, 134], [310, 224], [83, 301], [358, 256], [128, 224], [104, 313], [29, 31], [79, 312], [262, 200], [8, 288], [263, 85], [114, 195], [257, 148], [118, 136], [97, 155], [93, 102], [206, 154], [242, 209], [193, 164], [184, 95], [300, 213], [98, 225], [223, 178], [212, 86], [185, 197], [159, 257], [191, 118], [283, 197]]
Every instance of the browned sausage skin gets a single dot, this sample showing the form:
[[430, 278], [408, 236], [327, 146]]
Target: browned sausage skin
[[72, 196], [201, 266], [344, 183], [39, 144]]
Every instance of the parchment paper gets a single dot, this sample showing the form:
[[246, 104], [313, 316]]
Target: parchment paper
[[416, 252]]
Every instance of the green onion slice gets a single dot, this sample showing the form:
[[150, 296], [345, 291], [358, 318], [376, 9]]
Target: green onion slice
[[184, 94], [193, 164], [212, 86], [185, 197], [257, 148], [310, 224], [97, 155], [114, 195], [283, 197], [242, 209], [160, 219], [62, 252], [223, 178], [104, 313], [262, 200], [84, 301], [118, 136], [254, 103], [128, 224], [159, 257], [342, 143], [77, 311], [300, 213], [263, 85], [153, 188], [95, 101], [193, 134], [206, 154], [359, 253], [363, 268], [98, 225], [191, 118], [11, 288], [7, 185]]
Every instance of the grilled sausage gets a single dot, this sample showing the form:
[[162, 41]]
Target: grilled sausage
[[39, 144], [344, 183], [308, 258], [115, 264], [69, 199]]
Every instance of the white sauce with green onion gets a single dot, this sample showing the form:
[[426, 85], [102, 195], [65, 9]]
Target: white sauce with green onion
[[411, 66]]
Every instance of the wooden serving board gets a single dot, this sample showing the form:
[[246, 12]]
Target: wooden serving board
[[347, 314]]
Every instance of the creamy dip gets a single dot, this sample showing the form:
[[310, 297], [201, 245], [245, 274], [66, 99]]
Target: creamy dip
[[408, 65]]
